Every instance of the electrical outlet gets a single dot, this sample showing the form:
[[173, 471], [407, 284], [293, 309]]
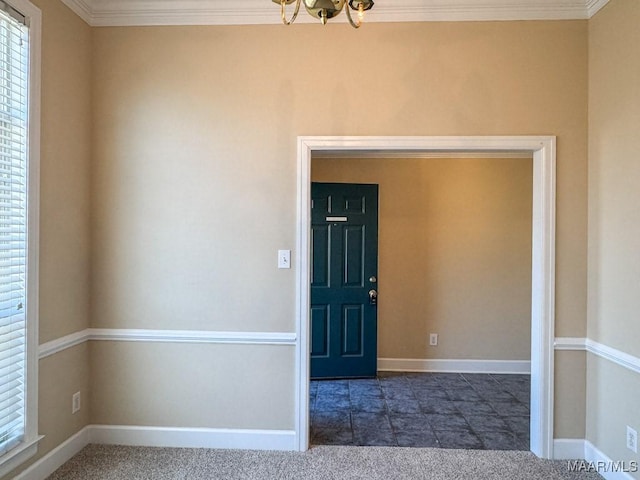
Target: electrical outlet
[[433, 339], [632, 439], [75, 402]]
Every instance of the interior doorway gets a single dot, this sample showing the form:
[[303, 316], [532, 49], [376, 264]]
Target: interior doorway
[[543, 261], [454, 258]]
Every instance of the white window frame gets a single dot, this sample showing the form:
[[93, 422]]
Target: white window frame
[[29, 446]]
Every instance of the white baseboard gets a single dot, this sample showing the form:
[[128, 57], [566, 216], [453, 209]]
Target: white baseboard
[[605, 466], [594, 459], [53, 460], [244, 439], [563, 449], [158, 437], [568, 448], [453, 366]]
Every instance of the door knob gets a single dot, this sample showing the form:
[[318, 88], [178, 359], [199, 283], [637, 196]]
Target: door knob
[[373, 297]]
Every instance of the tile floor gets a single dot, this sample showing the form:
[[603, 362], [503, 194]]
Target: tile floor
[[449, 410]]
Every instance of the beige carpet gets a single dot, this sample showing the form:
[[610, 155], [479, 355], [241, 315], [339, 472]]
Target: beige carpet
[[370, 463]]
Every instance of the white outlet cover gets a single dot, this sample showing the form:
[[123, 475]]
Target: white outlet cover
[[75, 402], [632, 439]]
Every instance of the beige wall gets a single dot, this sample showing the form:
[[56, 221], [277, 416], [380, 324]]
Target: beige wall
[[64, 219], [454, 253], [194, 167], [614, 222], [193, 385]]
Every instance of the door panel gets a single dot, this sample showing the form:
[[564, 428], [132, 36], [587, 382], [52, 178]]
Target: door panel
[[344, 250]]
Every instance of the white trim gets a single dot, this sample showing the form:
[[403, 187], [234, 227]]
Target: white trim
[[616, 356], [62, 343], [34, 20], [57, 457], [405, 155], [227, 438], [251, 12], [453, 365], [166, 336], [570, 343], [594, 6], [578, 449], [543, 260], [20, 454], [192, 336], [29, 445], [245, 439], [595, 455], [568, 448]]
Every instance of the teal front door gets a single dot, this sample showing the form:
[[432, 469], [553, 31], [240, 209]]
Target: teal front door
[[344, 270]]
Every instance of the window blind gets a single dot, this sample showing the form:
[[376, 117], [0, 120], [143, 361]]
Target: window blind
[[14, 109]]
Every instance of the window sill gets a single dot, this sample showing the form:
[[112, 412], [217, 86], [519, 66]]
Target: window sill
[[18, 455]]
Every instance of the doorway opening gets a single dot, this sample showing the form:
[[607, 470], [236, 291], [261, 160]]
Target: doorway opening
[[454, 245], [542, 150]]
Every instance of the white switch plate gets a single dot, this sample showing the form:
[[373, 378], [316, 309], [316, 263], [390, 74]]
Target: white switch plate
[[284, 258], [433, 339]]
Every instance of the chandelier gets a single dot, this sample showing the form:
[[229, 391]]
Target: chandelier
[[326, 9]]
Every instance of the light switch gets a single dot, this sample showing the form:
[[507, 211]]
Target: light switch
[[284, 258]]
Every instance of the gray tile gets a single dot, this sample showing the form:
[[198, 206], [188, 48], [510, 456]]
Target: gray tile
[[430, 393], [487, 423], [447, 422], [495, 394], [401, 409], [523, 397], [331, 420], [475, 408], [368, 404], [422, 379], [466, 394], [333, 387], [324, 404], [518, 424], [479, 379], [398, 393], [368, 392], [367, 420], [333, 436], [409, 422], [458, 439], [451, 380], [510, 409], [425, 438], [374, 437], [438, 406], [403, 406], [500, 441]]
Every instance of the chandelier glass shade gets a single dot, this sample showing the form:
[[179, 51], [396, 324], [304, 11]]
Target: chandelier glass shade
[[326, 9]]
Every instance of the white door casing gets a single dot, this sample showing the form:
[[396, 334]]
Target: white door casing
[[543, 150]]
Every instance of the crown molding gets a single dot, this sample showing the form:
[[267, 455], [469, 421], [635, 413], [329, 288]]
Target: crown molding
[[81, 8], [594, 6], [254, 12]]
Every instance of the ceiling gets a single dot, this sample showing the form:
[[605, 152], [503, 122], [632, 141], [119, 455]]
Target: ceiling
[[252, 12]]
